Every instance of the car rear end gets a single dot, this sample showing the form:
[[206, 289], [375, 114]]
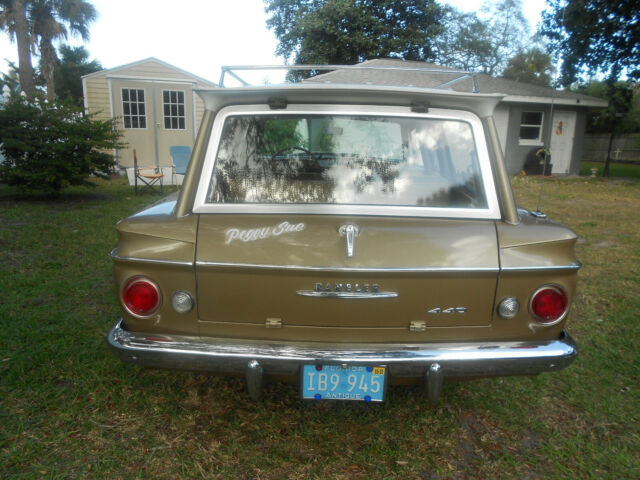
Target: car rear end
[[347, 245]]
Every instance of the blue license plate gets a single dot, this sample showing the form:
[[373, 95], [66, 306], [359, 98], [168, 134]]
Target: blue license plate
[[343, 382]]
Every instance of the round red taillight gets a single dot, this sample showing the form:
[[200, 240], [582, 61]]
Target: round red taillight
[[141, 297], [549, 304]]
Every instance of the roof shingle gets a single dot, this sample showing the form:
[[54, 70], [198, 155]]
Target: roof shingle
[[409, 78]]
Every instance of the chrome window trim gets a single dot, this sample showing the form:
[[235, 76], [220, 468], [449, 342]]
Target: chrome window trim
[[492, 212], [201, 263], [114, 256], [573, 266]]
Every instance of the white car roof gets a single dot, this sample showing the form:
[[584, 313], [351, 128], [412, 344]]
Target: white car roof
[[349, 94]]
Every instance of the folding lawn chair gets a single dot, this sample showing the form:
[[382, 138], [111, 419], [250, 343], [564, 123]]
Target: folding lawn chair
[[180, 156], [150, 176]]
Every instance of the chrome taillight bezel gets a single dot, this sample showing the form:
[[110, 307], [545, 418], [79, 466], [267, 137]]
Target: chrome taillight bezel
[[541, 320], [138, 278]]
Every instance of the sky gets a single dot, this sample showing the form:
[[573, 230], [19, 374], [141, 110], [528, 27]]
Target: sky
[[198, 37]]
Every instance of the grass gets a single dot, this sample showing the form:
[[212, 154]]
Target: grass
[[69, 409], [626, 170]]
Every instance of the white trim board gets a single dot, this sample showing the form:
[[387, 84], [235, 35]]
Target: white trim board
[[146, 60]]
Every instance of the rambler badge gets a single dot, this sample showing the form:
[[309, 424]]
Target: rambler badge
[[346, 290]]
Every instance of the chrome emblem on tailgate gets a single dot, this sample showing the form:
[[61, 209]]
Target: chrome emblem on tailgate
[[347, 290], [349, 231]]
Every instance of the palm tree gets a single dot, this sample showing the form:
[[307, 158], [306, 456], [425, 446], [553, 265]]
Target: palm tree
[[13, 19], [55, 19]]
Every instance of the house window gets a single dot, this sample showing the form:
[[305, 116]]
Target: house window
[[173, 104], [531, 128], [133, 112]]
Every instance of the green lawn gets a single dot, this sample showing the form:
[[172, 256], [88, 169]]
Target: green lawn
[[628, 170], [69, 409]]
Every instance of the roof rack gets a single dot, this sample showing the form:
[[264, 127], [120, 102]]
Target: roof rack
[[462, 75]]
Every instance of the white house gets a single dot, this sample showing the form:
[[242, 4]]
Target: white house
[[529, 117]]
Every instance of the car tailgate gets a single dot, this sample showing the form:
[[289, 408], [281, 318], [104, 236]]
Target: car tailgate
[[273, 270]]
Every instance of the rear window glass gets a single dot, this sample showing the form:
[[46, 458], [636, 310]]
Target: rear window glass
[[353, 160]]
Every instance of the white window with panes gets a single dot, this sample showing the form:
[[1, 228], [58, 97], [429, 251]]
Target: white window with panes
[[134, 113], [531, 128], [173, 109]]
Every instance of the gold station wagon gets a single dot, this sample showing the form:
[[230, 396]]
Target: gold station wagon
[[347, 237]]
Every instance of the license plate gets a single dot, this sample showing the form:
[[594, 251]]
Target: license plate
[[343, 382]]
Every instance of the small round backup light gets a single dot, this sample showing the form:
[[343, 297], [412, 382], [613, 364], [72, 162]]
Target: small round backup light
[[141, 297], [181, 301], [508, 307], [549, 304]]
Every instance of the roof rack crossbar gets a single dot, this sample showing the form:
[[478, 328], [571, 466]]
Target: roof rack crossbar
[[462, 75], [233, 74], [460, 79]]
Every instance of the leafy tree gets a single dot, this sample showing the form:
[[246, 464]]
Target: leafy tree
[[351, 31], [594, 37], [508, 32], [13, 19], [532, 66], [486, 43], [74, 63], [41, 23], [11, 79], [55, 19], [623, 112], [465, 42], [622, 115], [50, 146]]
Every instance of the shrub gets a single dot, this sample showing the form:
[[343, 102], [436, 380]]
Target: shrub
[[49, 147]]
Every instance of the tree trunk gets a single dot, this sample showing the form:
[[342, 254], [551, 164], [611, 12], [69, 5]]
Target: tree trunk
[[23, 39], [605, 172], [48, 62]]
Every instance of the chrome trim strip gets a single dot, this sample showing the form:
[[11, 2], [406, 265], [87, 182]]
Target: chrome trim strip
[[285, 358], [114, 256], [492, 212], [352, 295], [202, 263], [344, 209], [572, 266]]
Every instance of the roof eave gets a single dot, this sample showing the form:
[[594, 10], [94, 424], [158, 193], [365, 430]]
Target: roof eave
[[577, 102]]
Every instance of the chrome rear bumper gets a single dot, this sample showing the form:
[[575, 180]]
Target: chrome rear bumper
[[431, 361]]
